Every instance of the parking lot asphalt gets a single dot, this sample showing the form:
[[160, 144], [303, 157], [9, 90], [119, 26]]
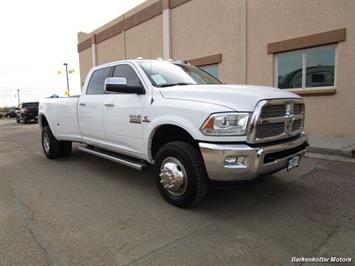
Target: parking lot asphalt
[[84, 210]]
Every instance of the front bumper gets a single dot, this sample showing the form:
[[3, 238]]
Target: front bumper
[[252, 162]]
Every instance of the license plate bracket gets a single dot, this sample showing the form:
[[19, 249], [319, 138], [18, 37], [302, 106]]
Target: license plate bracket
[[293, 162]]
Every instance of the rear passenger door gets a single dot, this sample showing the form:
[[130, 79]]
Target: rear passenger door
[[91, 106]]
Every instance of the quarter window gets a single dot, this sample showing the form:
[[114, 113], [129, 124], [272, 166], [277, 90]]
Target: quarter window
[[97, 81], [306, 68]]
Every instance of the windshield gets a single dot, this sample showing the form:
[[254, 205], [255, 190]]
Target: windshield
[[33, 105], [165, 74]]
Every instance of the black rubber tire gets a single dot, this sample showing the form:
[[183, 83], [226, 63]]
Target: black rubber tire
[[65, 148], [191, 159], [54, 145]]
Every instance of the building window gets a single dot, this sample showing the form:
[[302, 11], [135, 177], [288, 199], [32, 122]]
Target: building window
[[307, 68], [211, 69]]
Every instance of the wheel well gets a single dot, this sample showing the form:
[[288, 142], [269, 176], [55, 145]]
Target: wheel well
[[43, 121], [169, 133]]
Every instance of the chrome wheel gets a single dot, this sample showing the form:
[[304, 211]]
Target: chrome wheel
[[173, 176], [46, 143]]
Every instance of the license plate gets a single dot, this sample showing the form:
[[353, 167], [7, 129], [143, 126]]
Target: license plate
[[293, 162]]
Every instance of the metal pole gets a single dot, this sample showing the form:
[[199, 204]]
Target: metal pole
[[18, 96], [66, 72]]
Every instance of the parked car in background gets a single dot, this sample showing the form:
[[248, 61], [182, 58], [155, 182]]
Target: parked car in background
[[10, 114], [27, 112]]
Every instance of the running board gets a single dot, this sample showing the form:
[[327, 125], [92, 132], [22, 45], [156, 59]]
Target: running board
[[114, 157]]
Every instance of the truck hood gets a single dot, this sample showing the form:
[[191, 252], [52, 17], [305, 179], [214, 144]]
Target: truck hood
[[237, 97]]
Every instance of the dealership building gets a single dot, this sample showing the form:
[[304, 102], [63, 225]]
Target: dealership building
[[304, 46]]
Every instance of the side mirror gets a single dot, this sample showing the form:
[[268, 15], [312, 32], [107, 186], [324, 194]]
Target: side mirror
[[120, 85]]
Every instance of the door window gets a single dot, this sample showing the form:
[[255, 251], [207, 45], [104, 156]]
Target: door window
[[97, 81], [127, 72]]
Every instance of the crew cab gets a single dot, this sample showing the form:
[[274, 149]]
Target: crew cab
[[184, 122]]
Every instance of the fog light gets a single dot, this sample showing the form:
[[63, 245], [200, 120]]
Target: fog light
[[231, 160], [234, 160]]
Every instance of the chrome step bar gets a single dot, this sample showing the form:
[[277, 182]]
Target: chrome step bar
[[113, 157]]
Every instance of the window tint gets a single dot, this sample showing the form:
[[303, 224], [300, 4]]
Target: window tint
[[164, 74], [290, 70], [320, 67], [97, 81], [211, 69], [126, 71]]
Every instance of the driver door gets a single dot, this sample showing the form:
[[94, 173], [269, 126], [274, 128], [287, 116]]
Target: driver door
[[123, 113]]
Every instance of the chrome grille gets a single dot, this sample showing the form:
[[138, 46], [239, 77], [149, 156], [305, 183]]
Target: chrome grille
[[269, 130], [297, 124], [273, 111], [298, 108], [276, 119]]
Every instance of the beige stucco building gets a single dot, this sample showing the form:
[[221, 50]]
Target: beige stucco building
[[306, 46]]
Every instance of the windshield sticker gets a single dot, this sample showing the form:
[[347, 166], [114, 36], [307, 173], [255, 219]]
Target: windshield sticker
[[158, 79]]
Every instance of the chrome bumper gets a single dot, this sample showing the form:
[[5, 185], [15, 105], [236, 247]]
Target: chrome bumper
[[252, 162]]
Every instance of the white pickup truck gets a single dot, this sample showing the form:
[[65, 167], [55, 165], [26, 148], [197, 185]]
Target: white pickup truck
[[178, 118]]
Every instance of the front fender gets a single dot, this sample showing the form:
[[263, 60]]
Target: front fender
[[167, 120]]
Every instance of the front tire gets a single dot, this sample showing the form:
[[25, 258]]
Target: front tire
[[180, 174]]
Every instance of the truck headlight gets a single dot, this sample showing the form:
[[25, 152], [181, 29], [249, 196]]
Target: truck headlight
[[226, 124]]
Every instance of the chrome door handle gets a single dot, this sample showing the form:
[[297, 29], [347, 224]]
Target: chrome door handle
[[82, 104], [109, 105]]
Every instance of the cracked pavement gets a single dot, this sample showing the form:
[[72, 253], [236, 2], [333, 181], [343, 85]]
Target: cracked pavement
[[84, 210]]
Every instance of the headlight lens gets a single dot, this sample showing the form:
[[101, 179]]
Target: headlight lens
[[226, 124]]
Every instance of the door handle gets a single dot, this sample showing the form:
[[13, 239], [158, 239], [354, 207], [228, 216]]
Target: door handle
[[82, 104], [109, 105]]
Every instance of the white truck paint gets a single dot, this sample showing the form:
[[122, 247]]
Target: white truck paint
[[126, 123]]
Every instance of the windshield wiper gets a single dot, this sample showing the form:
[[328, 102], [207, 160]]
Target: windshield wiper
[[175, 84]]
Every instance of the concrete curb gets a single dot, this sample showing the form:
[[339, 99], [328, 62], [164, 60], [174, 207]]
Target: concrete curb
[[331, 145], [330, 157], [349, 153]]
